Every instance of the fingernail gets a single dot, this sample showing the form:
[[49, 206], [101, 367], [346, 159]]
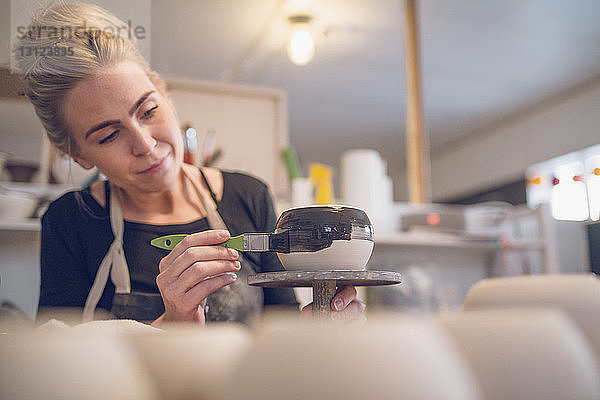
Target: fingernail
[[238, 265], [338, 304], [223, 234], [233, 253], [232, 277]]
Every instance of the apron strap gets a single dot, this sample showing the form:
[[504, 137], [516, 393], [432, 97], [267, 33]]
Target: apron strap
[[114, 262]]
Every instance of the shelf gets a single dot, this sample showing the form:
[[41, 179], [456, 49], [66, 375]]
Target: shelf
[[441, 240], [40, 191], [32, 225], [49, 190], [437, 240]]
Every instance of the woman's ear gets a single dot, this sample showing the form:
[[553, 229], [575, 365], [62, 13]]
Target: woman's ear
[[71, 151], [83, 162]]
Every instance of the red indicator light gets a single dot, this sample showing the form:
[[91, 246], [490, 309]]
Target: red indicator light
[[555, 181], [578, 178], [433, 219]]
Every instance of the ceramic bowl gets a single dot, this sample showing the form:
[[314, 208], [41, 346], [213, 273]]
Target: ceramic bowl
[[21, 171], [17, 205], [325, 238]]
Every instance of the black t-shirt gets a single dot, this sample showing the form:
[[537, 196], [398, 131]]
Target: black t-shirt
[[76, 234]]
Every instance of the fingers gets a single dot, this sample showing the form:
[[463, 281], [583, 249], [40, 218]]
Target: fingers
[[195, 265], [201, 291], [345, 306], [353, 311], [344, 296], [197, 247], [194, 269], [189, 306], [204, 238], [200, 271], [197, 254]]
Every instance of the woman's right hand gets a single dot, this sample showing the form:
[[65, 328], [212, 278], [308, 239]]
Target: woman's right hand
[[191, 271]]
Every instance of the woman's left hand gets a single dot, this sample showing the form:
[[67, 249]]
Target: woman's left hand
[[344, 305]]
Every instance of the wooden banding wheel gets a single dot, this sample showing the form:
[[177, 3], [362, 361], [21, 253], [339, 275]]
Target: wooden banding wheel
[[324, 283]]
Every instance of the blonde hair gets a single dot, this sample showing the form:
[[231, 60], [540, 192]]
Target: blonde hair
[[78, 41]]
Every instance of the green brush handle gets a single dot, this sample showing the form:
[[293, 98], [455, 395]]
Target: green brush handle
[[170, 241]]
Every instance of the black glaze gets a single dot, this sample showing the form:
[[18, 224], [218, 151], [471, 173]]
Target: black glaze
[[315, 228]]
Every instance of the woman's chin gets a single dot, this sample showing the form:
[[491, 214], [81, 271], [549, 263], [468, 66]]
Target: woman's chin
[[161, 180]]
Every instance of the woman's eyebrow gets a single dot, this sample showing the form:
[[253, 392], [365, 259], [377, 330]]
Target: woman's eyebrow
[[140, 101], [104, 124], [99, 126]]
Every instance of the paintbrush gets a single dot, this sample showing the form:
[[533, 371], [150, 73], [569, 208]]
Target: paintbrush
[[243, 242], [282, 242]]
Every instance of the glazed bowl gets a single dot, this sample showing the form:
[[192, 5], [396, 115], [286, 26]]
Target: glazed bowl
[[325, 238]]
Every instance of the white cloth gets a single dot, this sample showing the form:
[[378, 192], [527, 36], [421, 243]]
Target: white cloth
[[111, 327]]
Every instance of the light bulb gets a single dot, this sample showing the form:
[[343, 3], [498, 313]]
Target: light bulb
[[301, 47]]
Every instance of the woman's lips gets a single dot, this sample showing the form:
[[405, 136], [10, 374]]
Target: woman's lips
[[155, 167]]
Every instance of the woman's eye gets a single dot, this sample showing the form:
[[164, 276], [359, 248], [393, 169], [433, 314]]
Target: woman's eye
[[150, 112], [109, 137]]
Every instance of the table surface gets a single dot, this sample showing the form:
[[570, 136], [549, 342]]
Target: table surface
[[307, 278]]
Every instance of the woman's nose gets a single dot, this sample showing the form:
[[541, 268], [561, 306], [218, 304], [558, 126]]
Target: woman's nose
[[142, 142]]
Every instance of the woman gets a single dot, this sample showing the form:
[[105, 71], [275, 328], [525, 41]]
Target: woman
[[101, 104]]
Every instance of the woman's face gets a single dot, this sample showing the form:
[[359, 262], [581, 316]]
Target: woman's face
[[124, 125]]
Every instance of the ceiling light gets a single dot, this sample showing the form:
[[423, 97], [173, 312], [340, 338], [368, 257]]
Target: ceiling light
[[301, 47]]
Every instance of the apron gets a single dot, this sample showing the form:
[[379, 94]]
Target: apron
[[237, 302]]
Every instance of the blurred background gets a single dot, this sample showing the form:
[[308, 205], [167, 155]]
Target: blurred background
[[505, 83]]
